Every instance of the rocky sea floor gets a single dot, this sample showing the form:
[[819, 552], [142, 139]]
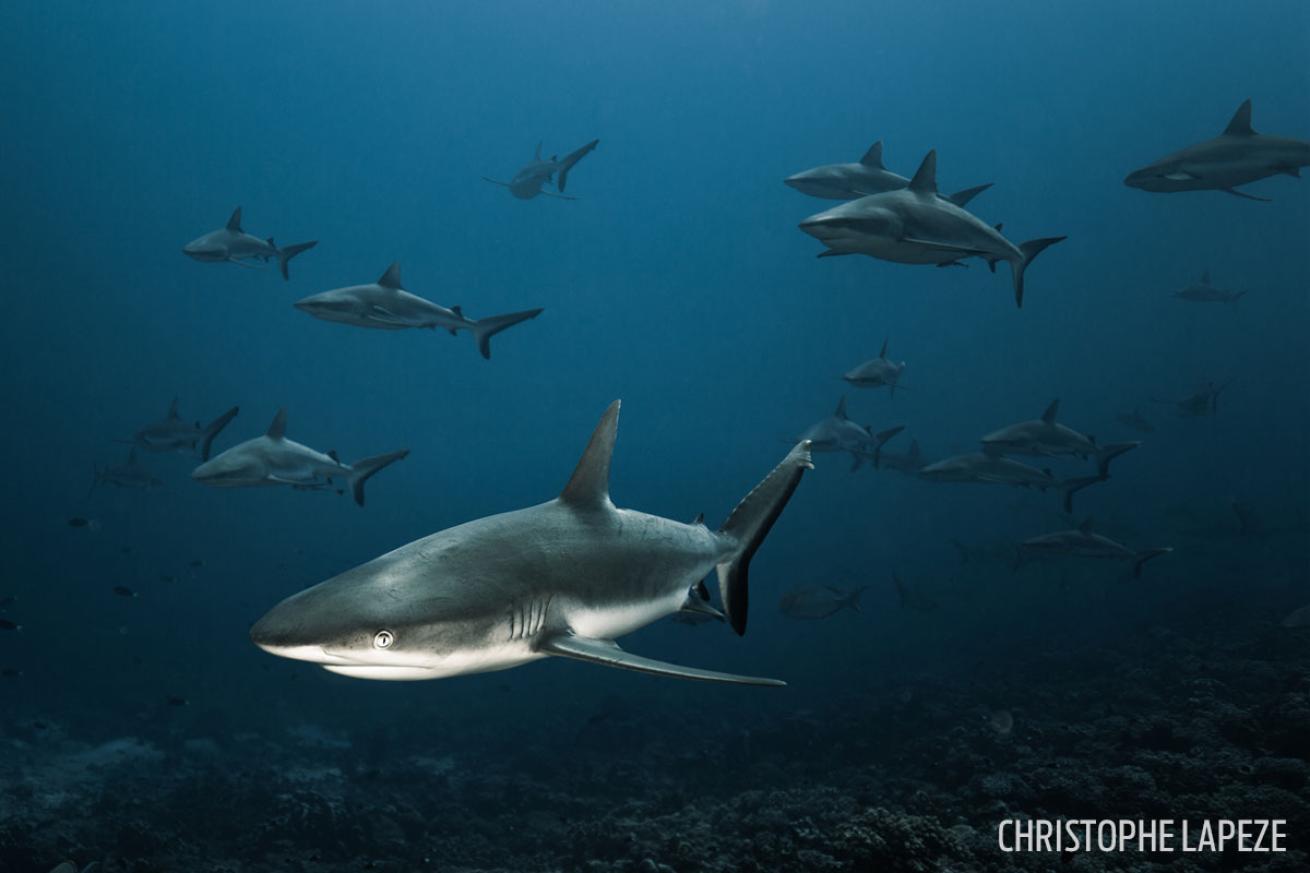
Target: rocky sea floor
[[899, 777]]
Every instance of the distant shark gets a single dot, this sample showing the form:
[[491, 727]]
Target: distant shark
[[869, 176], [1046, 437], [877, 373], [1237, 156], [272, 459], [527, 182], [386, 305], [564, 578], [910, 462], [991, 467], [1200, 404], [1083, 542], [837, 433], [233, 245], [172, 434], [130, 474], [1204, 292], [915, 226]]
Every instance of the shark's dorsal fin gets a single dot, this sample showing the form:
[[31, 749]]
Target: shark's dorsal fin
[[1241, 122], [172, 410], [1051, 411], [699, 519], [925, 178], [1205, 278], [883, 353], [840, 411], [873, 157], [391, 278], [589, 486], [278, 429], [234, 223], [1086, 526]]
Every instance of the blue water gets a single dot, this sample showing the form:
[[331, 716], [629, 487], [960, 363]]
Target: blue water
[[677, 281]]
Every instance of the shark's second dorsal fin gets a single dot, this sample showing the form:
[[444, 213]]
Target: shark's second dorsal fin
[[1086, 526], [1205, 278], [873, 157], [925, 178], [840, 411], [589, 486], [1241, 122], [234, 223], [883, 353], [1051, 411], [172, 410], [391, 278], [278, 429]]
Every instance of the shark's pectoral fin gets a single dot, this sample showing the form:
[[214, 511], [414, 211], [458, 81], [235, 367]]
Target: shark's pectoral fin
[[1245, 196], [964, 251], [608, 653]]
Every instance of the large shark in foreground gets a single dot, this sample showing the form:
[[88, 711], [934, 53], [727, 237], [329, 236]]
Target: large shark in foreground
[[233, 245], [915, 226], [1237, 156], [1083, 542], [272, 459], [837, 433], [385, 305], [173, 434], [564, 578], [869, 176], [527, 182]]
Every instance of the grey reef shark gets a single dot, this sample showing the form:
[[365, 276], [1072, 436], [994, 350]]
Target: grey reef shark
[[991, 467], [877, 373], [173, 434], [564, 578], [1083, 542], [272, 459], [1046, 437], [913, 225], [1238, 156], [837, 433], [386, 305], [130, 474], [230, 244], [1204, 292], [527, 182], [868, 176]]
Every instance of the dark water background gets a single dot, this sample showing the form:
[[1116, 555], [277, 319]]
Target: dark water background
[[678, 282]]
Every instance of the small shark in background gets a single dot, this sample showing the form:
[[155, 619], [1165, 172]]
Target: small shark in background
[[386, 305], [813, 602], [837, 433], [877, 373], [1083, 542], [915, 226], [990, 467], [913, 598], [233, 245], [130, 474], [1046, 437], [911, 462], [527, 182], [1135, 420], [1237, 156], [564, 578], [869, 176], [272, 459], [172, 434], [1204, 292], [1199, 404]]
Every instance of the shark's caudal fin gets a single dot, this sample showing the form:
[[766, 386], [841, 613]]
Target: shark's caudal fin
[[362, 471], [1108, 452], [608, 653], [569, 160], [749, 524], [962, 198], [852, 600], [880, 439], [212, 429], [485, 328], [1145, 555], [1030, 251], [1069, 487], [284, 255]]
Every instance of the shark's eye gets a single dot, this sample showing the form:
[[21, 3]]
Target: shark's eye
[[383, 639]]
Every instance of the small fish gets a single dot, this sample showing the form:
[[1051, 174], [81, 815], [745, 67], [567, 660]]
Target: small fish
[[1001, 721], [913, 598], [124, 591], [6, 624], [10, 672], [79, 521], [167, 578], [174, 700], [197, 564], [819, 601]]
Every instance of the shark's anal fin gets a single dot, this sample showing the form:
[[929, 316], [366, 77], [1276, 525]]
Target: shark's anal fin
[[608, 653]]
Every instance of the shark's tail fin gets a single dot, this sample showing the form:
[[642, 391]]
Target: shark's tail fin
[[880, 439], [362, 471], [749, 524], [569, 160], [485, 328], [1108, 452], [212, 429], [962, 198], [852, 600], [1069, 487], [1030, 251], [1145, 555], [284, 255]]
